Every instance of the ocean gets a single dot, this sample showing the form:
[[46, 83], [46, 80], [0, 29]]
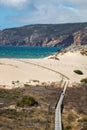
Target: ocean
[[26, 52]]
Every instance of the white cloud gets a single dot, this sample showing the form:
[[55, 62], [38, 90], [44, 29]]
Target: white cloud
[[47, 11], [14, 3], [56, 11]]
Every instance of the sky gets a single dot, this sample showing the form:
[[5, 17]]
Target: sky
[[16, 13]]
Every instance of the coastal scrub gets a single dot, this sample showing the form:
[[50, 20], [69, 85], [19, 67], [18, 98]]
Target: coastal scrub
[[78, 72]]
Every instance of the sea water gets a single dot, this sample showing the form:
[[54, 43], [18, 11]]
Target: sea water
[[26, 52]]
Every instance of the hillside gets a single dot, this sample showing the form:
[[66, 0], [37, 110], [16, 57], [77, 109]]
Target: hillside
[[45, 35]]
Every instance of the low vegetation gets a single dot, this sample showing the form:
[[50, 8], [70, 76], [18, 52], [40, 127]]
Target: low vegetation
[[84, 52], [84, 80], [33, 107], [78, 72], [68, 127], [28, 108], [27, 101], [75, 108]]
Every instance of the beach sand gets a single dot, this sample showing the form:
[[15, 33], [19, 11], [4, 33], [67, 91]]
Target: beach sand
[[42, 70]]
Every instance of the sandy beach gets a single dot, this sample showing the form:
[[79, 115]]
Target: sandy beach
[[42, 70]]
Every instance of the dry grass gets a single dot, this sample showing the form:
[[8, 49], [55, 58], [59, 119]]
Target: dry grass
[[84, 52], [75, 108], [40, 117]]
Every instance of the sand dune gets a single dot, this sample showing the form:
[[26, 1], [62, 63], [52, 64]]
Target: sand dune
[[44, 70]]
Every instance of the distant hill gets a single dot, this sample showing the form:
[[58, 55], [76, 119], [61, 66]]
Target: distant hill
[[45, 35]]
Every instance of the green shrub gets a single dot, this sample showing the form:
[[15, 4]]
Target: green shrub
[[8, 111], [9, 95], [13, 82], [27, 101], [17, 81], [78, 72], [68, 127], [84, 80]]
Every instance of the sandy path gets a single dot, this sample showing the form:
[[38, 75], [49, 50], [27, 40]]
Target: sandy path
[[64, 76]]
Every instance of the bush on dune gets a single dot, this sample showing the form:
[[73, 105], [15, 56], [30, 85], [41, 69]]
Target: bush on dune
[[84, 80], [78, 72]]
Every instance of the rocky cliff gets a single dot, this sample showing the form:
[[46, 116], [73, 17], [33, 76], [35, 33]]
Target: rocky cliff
[[45, 35]]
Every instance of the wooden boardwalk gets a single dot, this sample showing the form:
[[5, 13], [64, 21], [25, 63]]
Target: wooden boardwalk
[[58, 109]]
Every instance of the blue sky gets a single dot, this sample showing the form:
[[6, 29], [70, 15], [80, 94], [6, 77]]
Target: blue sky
[[15, 13]]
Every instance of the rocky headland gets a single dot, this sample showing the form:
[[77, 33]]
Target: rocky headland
[[62, 35]]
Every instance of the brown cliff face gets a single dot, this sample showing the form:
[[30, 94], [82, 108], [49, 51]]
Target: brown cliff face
[[45, 35], [84, 36], [80, 37], [77, 38]]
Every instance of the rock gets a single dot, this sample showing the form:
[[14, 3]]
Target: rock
[[55, 35]]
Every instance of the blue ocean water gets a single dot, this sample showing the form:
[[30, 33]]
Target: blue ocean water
[[26, 52]]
